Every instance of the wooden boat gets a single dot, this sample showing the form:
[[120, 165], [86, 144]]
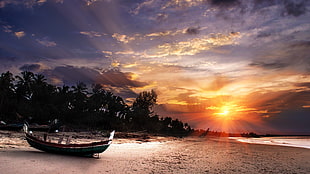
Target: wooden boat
[[11, 127], [86, 149]]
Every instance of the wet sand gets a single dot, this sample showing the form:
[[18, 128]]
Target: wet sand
[[159, 155]]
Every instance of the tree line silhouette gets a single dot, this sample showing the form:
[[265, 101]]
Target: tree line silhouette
[[28, 95]]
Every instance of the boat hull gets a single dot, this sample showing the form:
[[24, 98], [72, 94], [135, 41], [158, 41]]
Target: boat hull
[[70, 149]]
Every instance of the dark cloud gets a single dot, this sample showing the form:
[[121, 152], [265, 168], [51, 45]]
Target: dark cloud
[[118, 79], [161, 17], [26, 3], [112, 80], [272, 65], [225, 3], [295, 100], [263, 34], [295, 8], [297, 54], [306, 85], [230, 10], [70, 75], [293, 121], [124, 92], [258, 4], [192, 30], [277, 102], [290, 7], [303, 44], [30, 67]]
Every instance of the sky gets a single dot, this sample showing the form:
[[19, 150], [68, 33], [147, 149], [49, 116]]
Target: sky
[[227, 65]]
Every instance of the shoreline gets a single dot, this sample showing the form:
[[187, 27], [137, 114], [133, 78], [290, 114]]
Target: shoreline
[[16, 138], [291, 141]]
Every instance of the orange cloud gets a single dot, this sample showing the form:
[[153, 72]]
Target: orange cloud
[[19, 34], [193, 46], [123, 38]]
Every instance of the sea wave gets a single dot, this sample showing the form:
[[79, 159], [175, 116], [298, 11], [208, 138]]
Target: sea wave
[[294, 141]]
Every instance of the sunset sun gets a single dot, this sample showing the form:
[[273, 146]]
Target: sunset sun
[[224, 112]]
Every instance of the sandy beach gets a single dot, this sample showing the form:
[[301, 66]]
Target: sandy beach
[[158, 155]]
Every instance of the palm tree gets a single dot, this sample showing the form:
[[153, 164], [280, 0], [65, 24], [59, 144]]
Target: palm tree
[[39, 80], [24, 92], [97, 101], [80, 88], [39, 88], [79, 101], [142, 109], [7, 95], [42, 99], [6, 86], [24, 85], [146, 100], [63, 102]]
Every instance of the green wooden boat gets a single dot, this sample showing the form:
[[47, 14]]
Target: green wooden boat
[[85, 149]]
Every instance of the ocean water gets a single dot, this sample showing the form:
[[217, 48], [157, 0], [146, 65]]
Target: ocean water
[[292, 141]]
